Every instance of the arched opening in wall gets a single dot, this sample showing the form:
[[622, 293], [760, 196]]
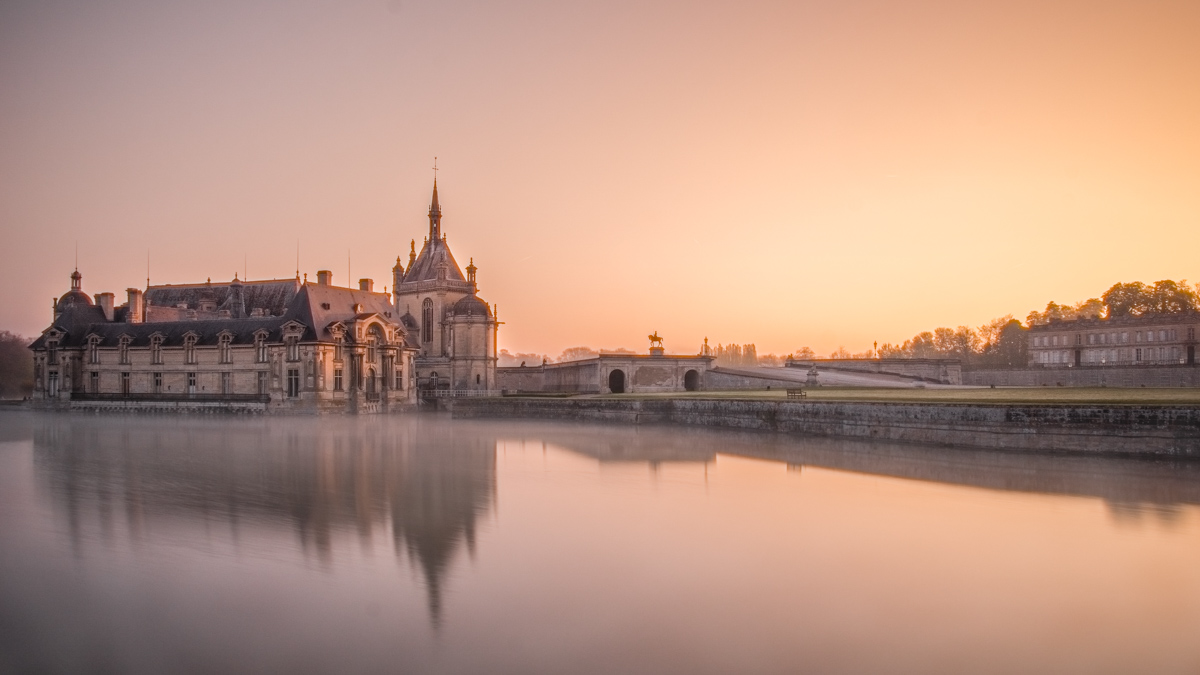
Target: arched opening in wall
[[616, 382], [691, 380]]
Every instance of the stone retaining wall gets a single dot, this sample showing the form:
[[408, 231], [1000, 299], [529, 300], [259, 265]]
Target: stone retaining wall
[[1110, 376], [1103, 429]]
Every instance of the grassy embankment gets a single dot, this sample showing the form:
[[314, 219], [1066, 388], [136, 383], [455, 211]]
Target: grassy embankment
[[1015, 395]]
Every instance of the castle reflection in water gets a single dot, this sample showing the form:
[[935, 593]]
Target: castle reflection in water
[[325, 479], [431, 483]]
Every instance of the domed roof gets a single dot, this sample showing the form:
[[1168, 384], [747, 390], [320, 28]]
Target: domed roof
[[471, 305], [72, 298], [75, 296]]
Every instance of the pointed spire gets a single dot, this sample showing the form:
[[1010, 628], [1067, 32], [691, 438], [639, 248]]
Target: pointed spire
[[435, 210]]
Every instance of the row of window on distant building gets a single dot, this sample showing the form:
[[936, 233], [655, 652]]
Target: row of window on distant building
[[1164, 335], [1132, 355]]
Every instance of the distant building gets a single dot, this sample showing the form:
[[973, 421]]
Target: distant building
[[1159, 340]]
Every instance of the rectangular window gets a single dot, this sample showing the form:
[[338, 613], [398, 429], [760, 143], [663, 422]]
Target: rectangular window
[[158, 383], [52, 353], [399, 378], [262, 382], [226, 383], [226, 353], [52, 386], [260, 350], [124, 352], [94, 384], [191, 383], [156, 351], [337, 379], [293, 382], [338, 348], [124, 384], [293, 348]]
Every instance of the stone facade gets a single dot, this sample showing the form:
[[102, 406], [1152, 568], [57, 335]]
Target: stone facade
[[1165, 340], [279, 346], [611, 374], [453, 328]]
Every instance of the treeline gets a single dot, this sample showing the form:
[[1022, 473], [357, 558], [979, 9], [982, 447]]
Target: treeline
[[1131, 299], [16, 366]]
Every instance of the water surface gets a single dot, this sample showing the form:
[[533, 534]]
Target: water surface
[[426, 545]]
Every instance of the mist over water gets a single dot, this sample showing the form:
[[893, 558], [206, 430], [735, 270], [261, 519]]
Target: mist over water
[[422, 544]]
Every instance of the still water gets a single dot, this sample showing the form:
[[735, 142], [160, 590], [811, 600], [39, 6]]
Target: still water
[[426, 545]]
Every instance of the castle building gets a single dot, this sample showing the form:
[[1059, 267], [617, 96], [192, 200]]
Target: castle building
[[263, 346], [287, 345], [454, 330]]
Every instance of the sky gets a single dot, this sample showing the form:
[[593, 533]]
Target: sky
[[789, 174]]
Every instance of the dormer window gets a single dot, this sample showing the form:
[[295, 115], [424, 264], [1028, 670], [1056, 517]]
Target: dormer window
[[260, 347], [293, 347], [156, 349], [189, 349], [93, 347], [223, 349], [339, 348], [124, 347], [52, 352]]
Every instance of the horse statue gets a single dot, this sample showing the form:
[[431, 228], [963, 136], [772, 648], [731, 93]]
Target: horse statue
[[655, 340]]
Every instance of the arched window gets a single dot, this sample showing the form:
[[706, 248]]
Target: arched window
[[427, 321], [374, 339]]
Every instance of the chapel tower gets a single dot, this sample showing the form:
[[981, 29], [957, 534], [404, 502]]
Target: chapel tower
[[453, 328]]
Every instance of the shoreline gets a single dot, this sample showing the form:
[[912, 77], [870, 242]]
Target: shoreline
[[1091, 429]]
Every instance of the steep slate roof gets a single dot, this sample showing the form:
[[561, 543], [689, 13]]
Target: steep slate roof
[[78, 322], [273, 296], [341, 303], [424, 267]]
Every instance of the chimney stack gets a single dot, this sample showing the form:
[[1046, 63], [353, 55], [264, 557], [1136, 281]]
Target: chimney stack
[[324, 278], [366, 285], [105, 302], [137, 309]]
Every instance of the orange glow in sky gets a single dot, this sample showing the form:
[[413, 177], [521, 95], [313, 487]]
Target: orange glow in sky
[[788, 174]]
